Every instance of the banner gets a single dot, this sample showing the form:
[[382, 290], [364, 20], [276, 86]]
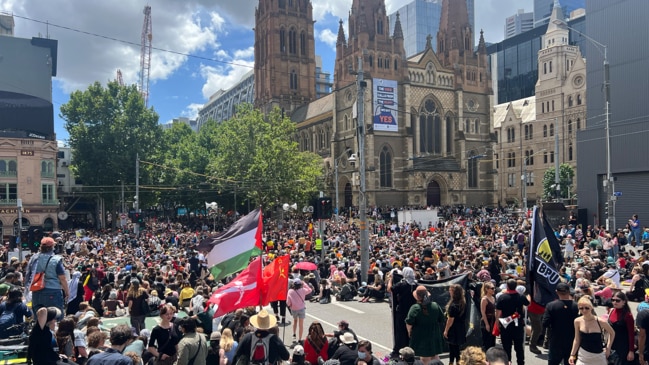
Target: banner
[[385, 105], [439, 293], [544, 260]]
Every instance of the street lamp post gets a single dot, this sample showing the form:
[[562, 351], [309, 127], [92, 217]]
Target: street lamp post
[[609, 183], [19, 205], [362, 198], [524, 177]]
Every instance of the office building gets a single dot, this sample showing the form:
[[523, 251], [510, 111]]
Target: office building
[[620, 26], [419, 19], [518, 23], [192, 123], [514, 61], [543, 9], [28, 147], [323, 81], [6, 25], [223, 103]]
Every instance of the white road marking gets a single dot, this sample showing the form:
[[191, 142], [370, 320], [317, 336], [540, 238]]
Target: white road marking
[[374, 344], [348, 308]]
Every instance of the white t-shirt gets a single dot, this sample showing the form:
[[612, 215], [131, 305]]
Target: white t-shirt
[[614, 275]]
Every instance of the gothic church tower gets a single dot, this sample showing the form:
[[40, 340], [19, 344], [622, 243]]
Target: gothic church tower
[[369, 37], [284, 54]]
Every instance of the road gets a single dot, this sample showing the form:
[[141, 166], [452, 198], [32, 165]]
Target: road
[[370, 321]]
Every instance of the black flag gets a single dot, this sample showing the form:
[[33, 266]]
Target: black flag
[[544, 260]]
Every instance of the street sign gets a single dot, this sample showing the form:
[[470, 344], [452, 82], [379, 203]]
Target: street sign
[[617, 193]]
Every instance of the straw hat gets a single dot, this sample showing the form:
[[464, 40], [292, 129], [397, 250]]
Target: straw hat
[[263, 320]]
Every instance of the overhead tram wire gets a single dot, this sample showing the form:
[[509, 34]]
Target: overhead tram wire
[[138, 45]]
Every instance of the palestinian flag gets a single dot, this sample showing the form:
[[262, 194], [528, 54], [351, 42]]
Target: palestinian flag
[[231, 251]]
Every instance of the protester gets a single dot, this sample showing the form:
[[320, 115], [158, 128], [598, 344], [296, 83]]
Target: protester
[[587, 346], [295, 300], [424, 322], [558, 318], [120, 336]]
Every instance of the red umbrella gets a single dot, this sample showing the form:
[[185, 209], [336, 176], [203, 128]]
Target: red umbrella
[[306, 265]]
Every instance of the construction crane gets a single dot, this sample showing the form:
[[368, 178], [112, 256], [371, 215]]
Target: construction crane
[[119, 78], [145, 55]]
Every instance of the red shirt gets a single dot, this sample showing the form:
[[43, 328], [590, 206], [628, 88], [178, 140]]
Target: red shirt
[[310, 353]]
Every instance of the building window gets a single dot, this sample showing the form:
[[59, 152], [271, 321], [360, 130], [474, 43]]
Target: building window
[[542, 107], [545, 68], [387, 63], [293, 80], [379, 26], [472, 170], [292, 41], [526, 133], [511, 180], [8, 168], [282, 40], [545, 157], [476, 126], [552, 105], [550, 67], [497, 160], [430, 129], [530, 178], [282, 4], [578, 99], [551, 130], [552, 157], [569, 126], [570, 153], [47, 169], [371, 60], [385, 161], [545, 130], [8, 193], [570, 100], [379, 62], [303, 43], [578, 124], [47, 194], [395, 65]]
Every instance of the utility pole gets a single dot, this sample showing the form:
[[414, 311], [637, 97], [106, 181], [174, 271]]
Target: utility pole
[[336, 177], [19, 205], [557, 185], [362, 198]]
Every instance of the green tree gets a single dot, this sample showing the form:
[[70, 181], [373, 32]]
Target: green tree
[[108, 127], [254, 154], [566, 175]]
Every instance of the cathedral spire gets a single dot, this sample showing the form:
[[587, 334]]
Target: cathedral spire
[[398, 32], [482, 47], [341, 34]]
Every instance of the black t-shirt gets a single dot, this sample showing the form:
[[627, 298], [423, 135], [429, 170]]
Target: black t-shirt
[[509, 304], [41, 346], [164, 339], [560, 316], [642, 322], [345, 355]]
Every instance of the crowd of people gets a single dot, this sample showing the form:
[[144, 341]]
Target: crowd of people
[[79, 278]]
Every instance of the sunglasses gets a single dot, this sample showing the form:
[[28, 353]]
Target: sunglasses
[[584, 308], [615, 300]]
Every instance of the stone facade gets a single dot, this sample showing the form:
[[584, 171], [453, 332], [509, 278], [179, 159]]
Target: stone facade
[[440, 150]]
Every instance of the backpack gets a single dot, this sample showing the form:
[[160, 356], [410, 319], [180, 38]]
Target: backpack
[[259, 350], [8, 320]]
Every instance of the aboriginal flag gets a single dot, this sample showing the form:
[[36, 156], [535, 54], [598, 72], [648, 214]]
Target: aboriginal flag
[[544, 260]]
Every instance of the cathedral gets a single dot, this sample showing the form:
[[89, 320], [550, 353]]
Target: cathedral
[[426, 118]]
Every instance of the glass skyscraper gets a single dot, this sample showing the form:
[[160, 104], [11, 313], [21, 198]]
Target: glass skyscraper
[[421, 18], [543, 9]]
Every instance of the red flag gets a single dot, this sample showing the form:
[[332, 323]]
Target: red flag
[[242, 291], [275, 280]]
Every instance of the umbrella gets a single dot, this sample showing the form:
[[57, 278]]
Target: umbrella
[[306, 265]]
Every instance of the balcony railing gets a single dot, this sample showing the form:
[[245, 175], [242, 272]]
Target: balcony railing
[[50, 202], [47, 175], [8, 202], [8, 173]]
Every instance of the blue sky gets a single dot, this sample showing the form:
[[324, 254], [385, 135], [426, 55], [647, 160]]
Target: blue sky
[[216, 33]]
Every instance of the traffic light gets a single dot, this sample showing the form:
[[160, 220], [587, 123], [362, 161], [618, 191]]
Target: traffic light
[[24, 239], [138, 218], [606, 209], [323, 208], [34, 237]]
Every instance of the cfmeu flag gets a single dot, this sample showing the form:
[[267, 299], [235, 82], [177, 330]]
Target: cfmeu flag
[[231, 251], [544, 260], [275, 280], [243, 291]]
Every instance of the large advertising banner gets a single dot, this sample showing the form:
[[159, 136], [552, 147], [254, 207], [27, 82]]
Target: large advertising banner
[[386, 105]]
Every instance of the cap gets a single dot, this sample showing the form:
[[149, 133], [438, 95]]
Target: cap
[[4, 288], [298, 350], [168, 291], [48, 241], [407, 352], [563, 288], [215, 336]]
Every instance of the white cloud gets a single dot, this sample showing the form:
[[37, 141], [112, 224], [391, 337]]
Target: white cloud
[[191, 111], [328, 37], [247, 53]]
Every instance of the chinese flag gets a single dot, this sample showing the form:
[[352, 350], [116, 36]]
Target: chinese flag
[[243, 291], [275, 280]]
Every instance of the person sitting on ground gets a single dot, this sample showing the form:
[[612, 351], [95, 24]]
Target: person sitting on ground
[[376, 291], [12, 312], [347, 291]]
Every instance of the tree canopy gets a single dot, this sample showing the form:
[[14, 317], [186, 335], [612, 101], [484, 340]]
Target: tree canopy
[[566, 175]]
